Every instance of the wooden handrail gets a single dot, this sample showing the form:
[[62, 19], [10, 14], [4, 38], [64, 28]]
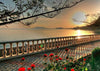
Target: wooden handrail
[[41, 39], [43, 44]]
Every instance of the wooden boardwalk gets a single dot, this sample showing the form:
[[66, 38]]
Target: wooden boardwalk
[[37, 59]]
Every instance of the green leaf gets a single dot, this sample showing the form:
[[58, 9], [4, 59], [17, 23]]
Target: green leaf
[[41, 45], [45, 69], [50, 67]]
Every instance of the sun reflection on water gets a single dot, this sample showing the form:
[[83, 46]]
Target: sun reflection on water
[[78, 34], [82, 32]]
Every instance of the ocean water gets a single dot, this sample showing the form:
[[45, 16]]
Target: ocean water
[[26, 34]]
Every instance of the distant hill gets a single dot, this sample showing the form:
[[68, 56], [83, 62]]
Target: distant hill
[[50, 28], [40, 28], [93, 26], [62, 28], [59, 28]]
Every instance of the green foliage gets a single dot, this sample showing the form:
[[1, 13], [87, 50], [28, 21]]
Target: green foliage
[[96, 53], [93, 62]]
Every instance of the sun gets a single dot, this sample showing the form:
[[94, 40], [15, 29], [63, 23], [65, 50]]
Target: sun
[[79, 18]]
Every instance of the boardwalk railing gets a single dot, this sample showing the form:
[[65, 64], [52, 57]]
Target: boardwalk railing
[[13, 49]]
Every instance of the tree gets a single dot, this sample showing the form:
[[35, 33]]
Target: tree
[[25, 9]]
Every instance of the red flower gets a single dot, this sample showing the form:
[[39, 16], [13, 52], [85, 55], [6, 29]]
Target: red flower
[[57, 59], [33, 65], [45, 55], [72, 70], [23, 59], [51, 54], [28, 69], [39, 46], [57, 46], [62, 65], [84, 59], [66, 49], [51, 59], [64, 68], [56, 56], [21, 69], [60, 58]]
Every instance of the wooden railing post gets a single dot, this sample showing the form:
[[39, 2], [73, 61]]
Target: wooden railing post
[[32, 46], [51, 43], [48, 43], [28, 50], [63, 42], [17, 49], [94, 37], [73, 40], [4, 51], [11, 49], [90, 37], [22, 48], [37, 46], [60, 43], [45, 45], [67, 41], [55, 43]]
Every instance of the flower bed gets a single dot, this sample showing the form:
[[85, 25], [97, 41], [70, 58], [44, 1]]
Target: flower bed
[[59, 64], [53, 62]]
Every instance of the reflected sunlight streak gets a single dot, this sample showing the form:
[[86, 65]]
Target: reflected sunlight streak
[[81, 32], [78, 34]]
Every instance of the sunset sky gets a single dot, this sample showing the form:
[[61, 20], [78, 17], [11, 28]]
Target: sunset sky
[[64, 19]]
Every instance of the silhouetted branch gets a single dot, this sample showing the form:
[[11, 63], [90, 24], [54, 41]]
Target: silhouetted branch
[[37, 8]]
